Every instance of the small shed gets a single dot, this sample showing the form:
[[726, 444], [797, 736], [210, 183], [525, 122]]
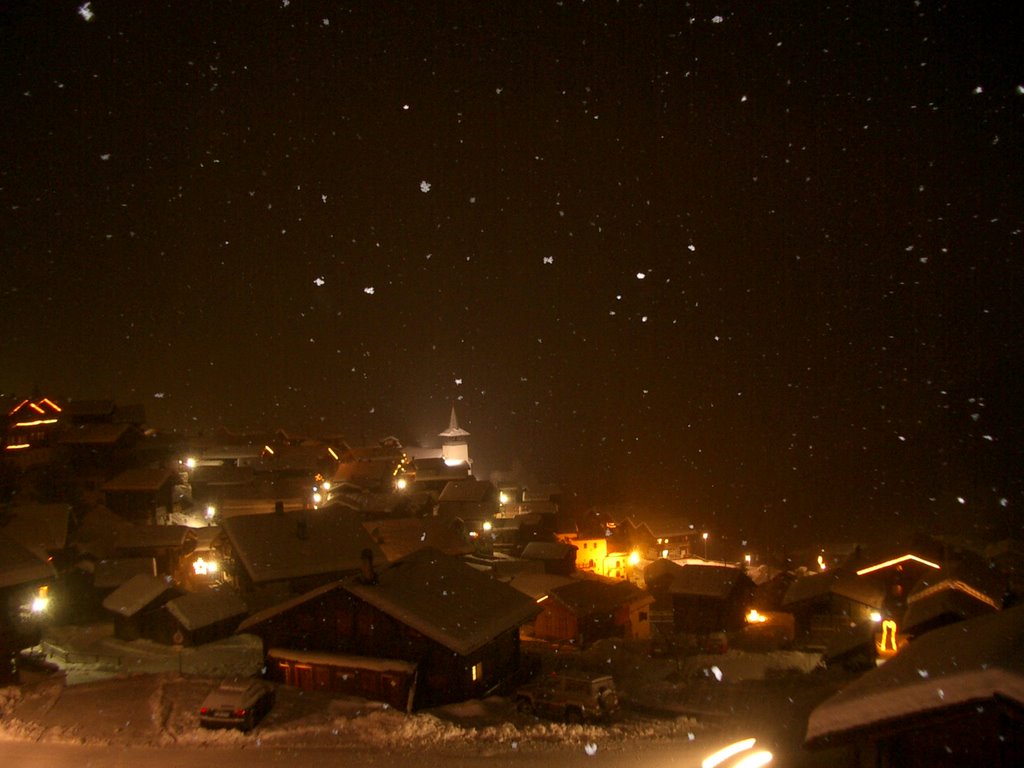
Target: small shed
[[136, 605], [201, 617]]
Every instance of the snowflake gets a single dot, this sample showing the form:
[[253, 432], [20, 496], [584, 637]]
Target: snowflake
[[319, 282], [549, 259], [424, 186], [158, 395], [641, 275], [326, 22], [368, 290], [458, 382], [590, 748], [105, 156], [85, 11], [323, 198], [691, 247], [717, 19]]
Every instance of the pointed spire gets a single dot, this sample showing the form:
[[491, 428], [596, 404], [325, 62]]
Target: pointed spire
[[454, 430]]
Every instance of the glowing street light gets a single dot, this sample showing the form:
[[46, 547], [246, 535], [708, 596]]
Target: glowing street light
[[705, 537]]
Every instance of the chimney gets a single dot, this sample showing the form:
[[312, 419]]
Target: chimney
[[278, 507], [368, 576]]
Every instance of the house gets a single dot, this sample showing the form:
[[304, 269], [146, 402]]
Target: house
[[272, 557], [455, 630], [401, 536], [952, 697], [199, 617], [475, 502], [25, 580], [587, 610], [701, 598], [141, 495], [556, 557], [961, 590], [136, 605], [825, 603], [32, 428]]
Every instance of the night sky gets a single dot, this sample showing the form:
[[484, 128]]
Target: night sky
[[753, 265]]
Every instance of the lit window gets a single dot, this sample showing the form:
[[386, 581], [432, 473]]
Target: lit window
[[478, 671]]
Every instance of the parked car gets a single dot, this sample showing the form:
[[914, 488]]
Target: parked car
[[571, 696], [237, 703]]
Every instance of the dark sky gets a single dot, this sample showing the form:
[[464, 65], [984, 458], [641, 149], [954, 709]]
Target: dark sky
[[753, 264]]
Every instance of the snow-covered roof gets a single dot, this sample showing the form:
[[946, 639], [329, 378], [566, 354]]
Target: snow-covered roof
[[971, 661], [454, 430], [294, 544], [399, 537], [446, 600], [109, 574], [467, 490], [548, 550], [41, 528], [868, 589], [587, 596], [141, 479], [19, 566], [201, 609], [138, 592], [696, 579]]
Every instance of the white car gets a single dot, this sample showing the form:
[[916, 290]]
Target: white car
[[237, 703]]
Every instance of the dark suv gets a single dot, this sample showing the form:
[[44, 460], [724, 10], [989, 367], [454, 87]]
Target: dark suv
[[572, 696]]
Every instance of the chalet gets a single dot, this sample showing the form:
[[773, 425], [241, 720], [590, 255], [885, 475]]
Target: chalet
[[701, 598], [399, 537], [826, 603], [199, 617], [952, 697], [554, 556], [587, 610], [275, 556], [25, 579], [136, 606], [141, 495], [31, 433], [469, 500], [425, 631], [961, 590]]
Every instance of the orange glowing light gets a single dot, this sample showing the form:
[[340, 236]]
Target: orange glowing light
[[36, 408], [333, 454], [896, 561], [35, 423], [755, 617], [888, 636], [18, 407], [17, 446], [52, 404]]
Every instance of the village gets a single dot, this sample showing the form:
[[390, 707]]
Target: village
[[392, 574]]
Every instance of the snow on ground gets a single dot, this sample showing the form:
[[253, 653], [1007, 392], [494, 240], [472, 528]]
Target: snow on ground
[[143, 693]]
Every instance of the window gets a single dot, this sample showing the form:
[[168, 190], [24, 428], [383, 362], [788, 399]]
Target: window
[[477, 671]]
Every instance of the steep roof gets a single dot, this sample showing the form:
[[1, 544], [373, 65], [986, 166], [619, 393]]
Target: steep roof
[[454, 430], [972, 661], [399, 537], [201, 609], [695, 579], [548, 550], [446, 600], [467, 490], [586, 596], [41, 528], [19, 566], [138, 592], [291, 545], [141, 479]]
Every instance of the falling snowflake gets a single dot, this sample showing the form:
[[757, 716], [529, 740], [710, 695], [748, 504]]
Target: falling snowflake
[[326, 22], [978, 89], [368, 290], [85, 11], [549, 259], [923, 672], [717, 673], [105, 156], [458, 382], [424, 186], [691, 247], [319, 282], [323, 198], [717, 19], [590, 748], [641, 275], [158, 395]]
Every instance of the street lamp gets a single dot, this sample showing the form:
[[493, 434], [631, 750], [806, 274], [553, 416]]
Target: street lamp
[[705, 537]]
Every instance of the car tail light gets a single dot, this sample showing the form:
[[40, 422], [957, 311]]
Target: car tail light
[[204, 710], [239, 713]]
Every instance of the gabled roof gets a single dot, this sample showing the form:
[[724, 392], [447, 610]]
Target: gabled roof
[[109, 574], [587, 596], [291, 545], [967, 663], [19, 566], [201, 609], [95, 434], [468, 490], [132, 537], [446, 600], [399, 537], [138, 592], [454, 430], [142, 480], [548, 550], [945, 606], [868, 589], [696, 579], [42, 528]]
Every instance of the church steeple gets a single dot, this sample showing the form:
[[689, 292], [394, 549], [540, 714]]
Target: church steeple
[[454, 448]]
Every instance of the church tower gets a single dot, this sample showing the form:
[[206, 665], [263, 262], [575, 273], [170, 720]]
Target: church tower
[[454, 448]]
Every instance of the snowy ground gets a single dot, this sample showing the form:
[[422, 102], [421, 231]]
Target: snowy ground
[[152, 694]]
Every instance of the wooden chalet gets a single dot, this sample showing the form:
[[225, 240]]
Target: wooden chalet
[[700, 598], [587, 610], [136, 606], [434, 629]]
